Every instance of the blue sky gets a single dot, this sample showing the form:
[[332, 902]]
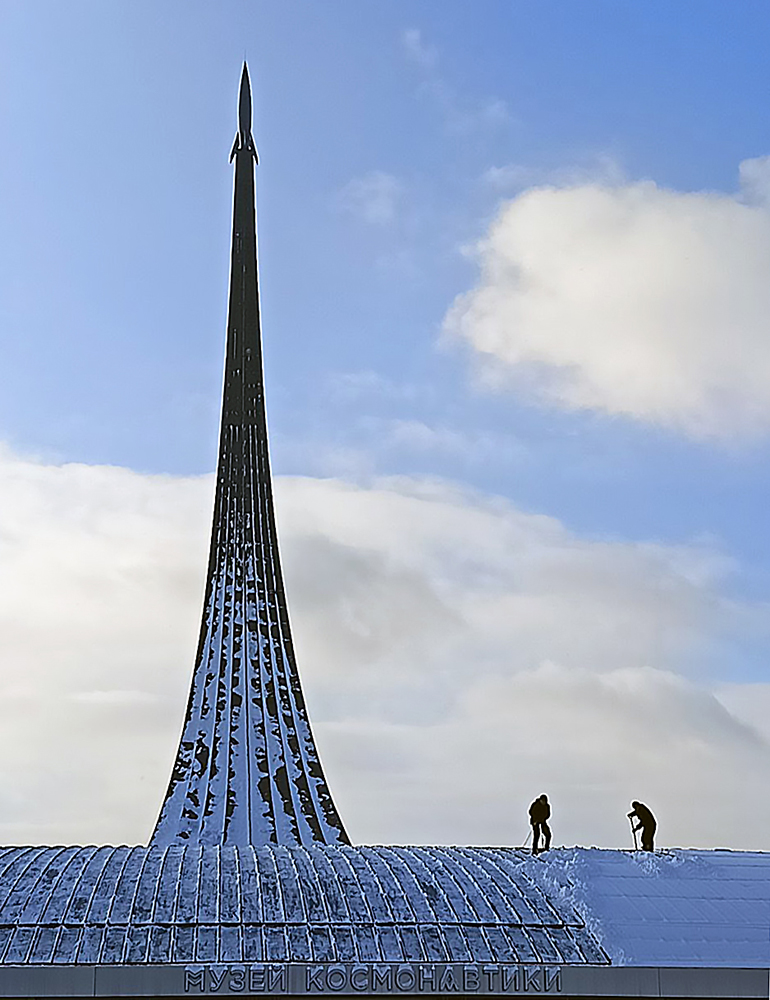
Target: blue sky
[[115, 204], [394, 138]]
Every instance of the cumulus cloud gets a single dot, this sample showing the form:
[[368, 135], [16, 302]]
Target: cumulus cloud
[[373, 197], [461, 116], [415, 436], [424, 55], [100, 570], [511, 178], [345, 387], [459, 656], [471, 655], [630, 299]]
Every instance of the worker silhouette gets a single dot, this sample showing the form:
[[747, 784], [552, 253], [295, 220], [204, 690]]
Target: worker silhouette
[[647, 824], [539, 814]]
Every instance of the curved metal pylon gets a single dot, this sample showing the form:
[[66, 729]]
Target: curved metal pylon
[[247, 770]]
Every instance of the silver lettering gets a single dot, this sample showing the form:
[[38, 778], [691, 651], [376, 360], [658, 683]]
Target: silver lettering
[[552, 980], [448, 983], [426, 974], [335, 977], [511, 980], [491, 972], [216, 982], [193, 979], [532, 980], [382, 978], [427, 977], [237, 980], [257, 979], [406, 985], [313, 977]]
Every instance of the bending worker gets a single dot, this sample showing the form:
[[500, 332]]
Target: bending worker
[[646, 824], [539, 814]]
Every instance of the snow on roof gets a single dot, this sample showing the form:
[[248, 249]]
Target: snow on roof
[[569, 907], [204, 904], [671, 908]]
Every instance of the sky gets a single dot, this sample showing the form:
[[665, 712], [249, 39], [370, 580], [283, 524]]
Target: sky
[[515, 280]]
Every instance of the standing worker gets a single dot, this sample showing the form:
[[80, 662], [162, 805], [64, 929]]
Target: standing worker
[[539, 814], [647, 824]]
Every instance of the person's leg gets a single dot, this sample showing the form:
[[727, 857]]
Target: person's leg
[[647, 836], [535, 837], [546, 836]]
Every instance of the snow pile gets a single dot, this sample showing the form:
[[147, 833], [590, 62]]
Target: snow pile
[[672, 908]]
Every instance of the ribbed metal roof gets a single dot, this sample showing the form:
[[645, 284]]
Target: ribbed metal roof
[[201, 904]]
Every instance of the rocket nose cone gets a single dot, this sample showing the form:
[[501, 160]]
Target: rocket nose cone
[[244, 103]]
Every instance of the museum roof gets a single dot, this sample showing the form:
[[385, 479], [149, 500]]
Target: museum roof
[[193, 903], [705, 909], [200, 904]]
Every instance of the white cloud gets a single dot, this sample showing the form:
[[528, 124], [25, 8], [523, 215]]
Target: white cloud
[[755, 179], [424, 55], [366, 384], [373, 198], [418, 436], [468, 446], [459, 656], [748, 702], [513, 177], [630, 299], [592, 741], [461, 116], [101, 570]]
